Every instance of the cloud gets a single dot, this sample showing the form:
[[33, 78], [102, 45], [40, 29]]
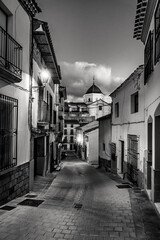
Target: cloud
[[78, 77]]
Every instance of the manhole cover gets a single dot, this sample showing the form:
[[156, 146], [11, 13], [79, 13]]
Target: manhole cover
[[123, 186], [78, 205], [31, 202], [8, 208], [31, 196]]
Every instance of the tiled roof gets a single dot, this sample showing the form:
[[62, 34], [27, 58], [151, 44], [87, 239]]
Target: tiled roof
[[139, 19], [31, 7], [93, 89], [135, 75]]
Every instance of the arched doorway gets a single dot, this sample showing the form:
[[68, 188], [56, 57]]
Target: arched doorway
[[149, 148]]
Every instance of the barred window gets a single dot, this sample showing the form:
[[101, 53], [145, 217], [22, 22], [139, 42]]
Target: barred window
[[157, 33], [8, 132], [148, 57]]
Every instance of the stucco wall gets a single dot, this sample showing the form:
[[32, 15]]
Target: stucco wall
[[105, 138], [93, 146], [129, 123]]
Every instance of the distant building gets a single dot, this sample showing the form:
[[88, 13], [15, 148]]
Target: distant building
[[76, 114], [69, 134]]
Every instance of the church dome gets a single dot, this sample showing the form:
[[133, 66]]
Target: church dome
[[93, 89]]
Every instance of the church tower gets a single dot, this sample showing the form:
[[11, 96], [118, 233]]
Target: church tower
[[94, 98], [93, 94]]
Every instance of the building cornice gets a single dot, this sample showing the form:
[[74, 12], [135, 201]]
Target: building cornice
[[148, 17], [139, 18], [30, 6], [43, 39]]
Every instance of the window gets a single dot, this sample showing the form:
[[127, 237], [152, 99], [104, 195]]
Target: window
[[51, 110], [117, 109], [148, 57], [157, 33], [100, 108], [3, 19], [10, 50], [47, 99], [71, 139], [8, 132], [104, 147], [71, 132], [55, 117], [71, 125], [134, 102], [65, 125], [65, 131]]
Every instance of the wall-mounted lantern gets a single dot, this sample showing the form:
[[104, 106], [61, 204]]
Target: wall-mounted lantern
[[45, 76]]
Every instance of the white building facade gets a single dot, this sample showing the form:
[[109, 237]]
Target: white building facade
[[15, 77], [148, 33], [128, 128]]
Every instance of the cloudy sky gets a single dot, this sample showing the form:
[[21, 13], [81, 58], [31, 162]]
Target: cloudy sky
[[93, 38]]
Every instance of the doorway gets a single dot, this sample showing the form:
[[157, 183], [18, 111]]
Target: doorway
[[122, 155], [149, 161], [35, 157]]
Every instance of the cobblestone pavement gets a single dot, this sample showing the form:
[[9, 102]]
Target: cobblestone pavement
[[83, 202]]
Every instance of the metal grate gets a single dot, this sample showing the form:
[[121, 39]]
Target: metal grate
[[31, 196], [8, 131], [31, 202], [78, 206], [123, 186], [7, 208]]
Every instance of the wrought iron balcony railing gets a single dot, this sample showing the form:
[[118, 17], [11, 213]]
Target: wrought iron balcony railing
[[10, 54]]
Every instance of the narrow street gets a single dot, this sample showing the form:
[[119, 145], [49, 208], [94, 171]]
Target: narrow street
[[82, 202]]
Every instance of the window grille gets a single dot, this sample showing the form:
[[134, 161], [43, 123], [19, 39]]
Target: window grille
[[8, 132], [148, 57], [10, 54]]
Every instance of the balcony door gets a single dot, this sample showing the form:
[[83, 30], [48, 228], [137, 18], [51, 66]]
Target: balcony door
[[3, 20]]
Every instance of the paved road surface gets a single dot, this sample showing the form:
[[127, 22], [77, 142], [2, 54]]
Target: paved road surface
[[82, 202]]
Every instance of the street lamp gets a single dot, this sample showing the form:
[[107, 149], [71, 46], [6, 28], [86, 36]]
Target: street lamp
[[44, 76]]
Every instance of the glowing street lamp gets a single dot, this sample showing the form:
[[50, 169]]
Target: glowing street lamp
[[45, 76]]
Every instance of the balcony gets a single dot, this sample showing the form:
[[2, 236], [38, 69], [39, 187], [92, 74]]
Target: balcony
[[10, 58]]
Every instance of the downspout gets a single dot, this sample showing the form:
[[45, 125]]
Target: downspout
[[30, 101]]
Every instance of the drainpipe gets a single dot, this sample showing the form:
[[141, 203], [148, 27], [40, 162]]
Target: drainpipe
[[30, 101]]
